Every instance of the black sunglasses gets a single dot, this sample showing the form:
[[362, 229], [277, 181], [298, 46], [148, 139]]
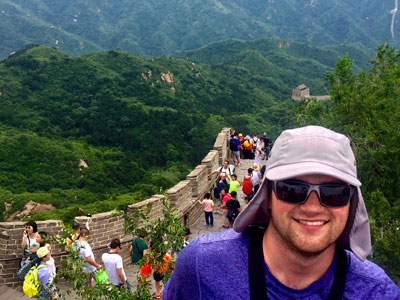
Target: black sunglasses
[[329, 194]]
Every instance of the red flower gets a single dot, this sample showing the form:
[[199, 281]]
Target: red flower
[[145, 271]]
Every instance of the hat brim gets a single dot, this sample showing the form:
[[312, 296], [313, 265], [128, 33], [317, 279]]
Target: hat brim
[[256, 212], [307, 168]]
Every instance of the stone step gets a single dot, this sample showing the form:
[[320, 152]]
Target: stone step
[[7, 293]]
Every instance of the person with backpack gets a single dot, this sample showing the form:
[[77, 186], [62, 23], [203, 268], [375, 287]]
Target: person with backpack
[[305, 235], [247, 148], [247, 184], [233, 207], [267, 145], [38, 281], [222, 184], [234, 146], [226, 169]]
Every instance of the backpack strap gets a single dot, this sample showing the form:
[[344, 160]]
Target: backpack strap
[[339, 281], [256, 269]]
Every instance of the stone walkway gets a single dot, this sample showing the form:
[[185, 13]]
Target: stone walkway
[[199, 228]]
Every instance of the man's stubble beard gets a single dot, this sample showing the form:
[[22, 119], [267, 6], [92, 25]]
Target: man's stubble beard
[[293, 242]]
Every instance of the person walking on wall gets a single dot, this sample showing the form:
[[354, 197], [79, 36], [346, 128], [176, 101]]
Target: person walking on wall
[[138, 249], [87, 254], [234, 146], [233, 207], [226, 170], [259, 152], [234, 183], [114, 266], [208, 205], [47, 288]]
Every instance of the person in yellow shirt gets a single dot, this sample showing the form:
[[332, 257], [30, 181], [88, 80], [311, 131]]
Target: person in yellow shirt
[[233, 184], [248, 148], [77, 228]]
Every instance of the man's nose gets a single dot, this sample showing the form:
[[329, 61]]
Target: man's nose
[[312, 203]]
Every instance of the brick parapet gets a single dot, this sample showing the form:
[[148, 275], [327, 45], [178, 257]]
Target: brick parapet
[[109, 225], [211, 161]]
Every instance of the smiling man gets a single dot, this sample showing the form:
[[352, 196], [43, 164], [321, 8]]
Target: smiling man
[[305, 234]]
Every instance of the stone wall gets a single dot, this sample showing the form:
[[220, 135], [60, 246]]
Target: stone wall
[[106, 226], [11, 251]]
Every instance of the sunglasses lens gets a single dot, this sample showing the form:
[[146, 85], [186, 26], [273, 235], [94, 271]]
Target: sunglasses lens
[[295, 192], [291, 191], [335, 195]]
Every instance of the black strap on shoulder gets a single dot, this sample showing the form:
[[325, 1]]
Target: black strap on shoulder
[[256, 269], [258, 287], [339, 281]]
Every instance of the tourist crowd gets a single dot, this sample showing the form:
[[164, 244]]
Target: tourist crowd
[[38, 265]]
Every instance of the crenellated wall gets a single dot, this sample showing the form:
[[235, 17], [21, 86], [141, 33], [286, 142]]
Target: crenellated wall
[[109, 225]]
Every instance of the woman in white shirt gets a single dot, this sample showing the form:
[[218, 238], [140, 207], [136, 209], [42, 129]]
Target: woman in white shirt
[[259, 152], [29, 243]]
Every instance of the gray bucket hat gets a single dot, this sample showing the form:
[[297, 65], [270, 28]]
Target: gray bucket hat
[[312, 150]]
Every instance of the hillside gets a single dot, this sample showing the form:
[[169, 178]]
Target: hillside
[[139, 124], [282, 60], [154, 28]]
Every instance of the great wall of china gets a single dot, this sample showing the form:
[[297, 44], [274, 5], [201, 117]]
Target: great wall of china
[[109, 225]]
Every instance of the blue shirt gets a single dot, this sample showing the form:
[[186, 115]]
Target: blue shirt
[[215, 266], [237, 143], [44, 278]]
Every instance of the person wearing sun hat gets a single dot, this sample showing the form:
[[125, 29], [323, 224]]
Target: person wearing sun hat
[[48, 290], [305, 234], [256, 179]]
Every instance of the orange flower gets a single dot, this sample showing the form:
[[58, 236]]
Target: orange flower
[[167, 257], [145, 271]]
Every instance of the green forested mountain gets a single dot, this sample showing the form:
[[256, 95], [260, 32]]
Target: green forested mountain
[[139, 123], [154, 28], [284, 62]]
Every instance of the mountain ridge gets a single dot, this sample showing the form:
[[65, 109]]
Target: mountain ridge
[[151, 28]]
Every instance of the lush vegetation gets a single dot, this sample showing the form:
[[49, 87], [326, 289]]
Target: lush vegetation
[[154, 28], [165, 233], [366, 107], [139, 124]]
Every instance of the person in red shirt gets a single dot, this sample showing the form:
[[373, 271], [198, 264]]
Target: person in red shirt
[[225, 198]]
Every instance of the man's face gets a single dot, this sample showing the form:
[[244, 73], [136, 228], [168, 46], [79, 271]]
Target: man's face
[[226, 164], [308, 228]]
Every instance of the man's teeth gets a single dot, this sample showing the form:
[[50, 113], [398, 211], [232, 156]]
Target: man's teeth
[[312, 223]]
